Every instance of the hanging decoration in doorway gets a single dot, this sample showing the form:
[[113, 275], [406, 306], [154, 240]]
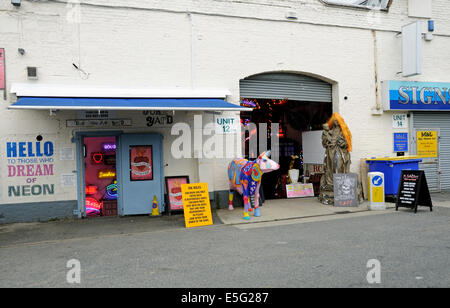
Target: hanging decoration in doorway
[[277, 102], [250, 103], [141, 164], [253, 103]]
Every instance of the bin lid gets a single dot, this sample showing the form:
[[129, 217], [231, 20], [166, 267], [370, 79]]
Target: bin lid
[[399, 159]]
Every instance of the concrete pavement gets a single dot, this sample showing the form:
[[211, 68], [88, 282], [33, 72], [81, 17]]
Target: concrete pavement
[[273, 211], [413, 251]]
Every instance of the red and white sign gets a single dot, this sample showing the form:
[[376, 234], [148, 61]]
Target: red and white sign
[[141, 163], [2, 68]]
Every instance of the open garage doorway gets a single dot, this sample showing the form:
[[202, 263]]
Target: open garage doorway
[[300, 104]]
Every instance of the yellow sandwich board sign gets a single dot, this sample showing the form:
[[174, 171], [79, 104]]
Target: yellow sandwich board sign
[[427, 143], [197, 208]]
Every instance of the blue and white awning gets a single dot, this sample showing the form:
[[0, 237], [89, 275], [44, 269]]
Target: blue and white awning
[[73, 97], [81, 103]]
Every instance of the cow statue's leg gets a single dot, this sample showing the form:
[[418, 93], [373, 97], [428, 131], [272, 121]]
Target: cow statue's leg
[[246, 201], [230, 197], [256, 201]]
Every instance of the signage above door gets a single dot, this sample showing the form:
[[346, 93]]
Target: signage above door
[[413, 95]]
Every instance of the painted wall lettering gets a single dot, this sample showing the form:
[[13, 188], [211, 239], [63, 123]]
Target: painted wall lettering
[[30, 170], [29, 162], [29, 149], [158, 118], [28, 190]]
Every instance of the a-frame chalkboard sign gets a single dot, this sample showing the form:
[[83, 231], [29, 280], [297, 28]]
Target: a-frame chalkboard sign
[[413, 190]]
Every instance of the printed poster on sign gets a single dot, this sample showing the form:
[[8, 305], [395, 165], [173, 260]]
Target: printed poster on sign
[[197, 207], [400, 142], [141, 163], [299, 190], [173, 188], [427, 143]]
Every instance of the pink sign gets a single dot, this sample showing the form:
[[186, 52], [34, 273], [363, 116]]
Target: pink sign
[[173, 187], [299, 190], [2, 68]]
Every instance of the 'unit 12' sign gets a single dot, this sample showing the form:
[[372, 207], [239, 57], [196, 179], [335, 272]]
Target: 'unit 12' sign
[[226, 125]]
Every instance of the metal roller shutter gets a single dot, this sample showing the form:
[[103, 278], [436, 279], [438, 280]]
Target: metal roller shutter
[[441, 121], [290, 86]]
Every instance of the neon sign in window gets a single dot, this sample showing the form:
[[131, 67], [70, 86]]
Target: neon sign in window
[[107, 174], [91, 189], [97, 158], [109, 147]]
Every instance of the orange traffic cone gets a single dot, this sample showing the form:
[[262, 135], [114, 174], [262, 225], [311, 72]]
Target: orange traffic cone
[[155, 209]]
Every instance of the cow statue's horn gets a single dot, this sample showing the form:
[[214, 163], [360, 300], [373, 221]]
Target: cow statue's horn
[[266, 153]]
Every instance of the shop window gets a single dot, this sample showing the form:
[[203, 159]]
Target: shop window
[[368, 4]]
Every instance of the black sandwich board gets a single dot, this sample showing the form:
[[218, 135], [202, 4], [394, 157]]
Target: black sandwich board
[[345, 189], [413, 190]]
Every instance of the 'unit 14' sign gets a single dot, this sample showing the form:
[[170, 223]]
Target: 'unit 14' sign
[[399, 121]]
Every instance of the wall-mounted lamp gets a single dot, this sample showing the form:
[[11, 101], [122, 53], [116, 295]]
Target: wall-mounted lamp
[[431, 26], [16, 2]]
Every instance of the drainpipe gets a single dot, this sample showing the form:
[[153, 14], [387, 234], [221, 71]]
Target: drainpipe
[[192, 23], [377, 110]]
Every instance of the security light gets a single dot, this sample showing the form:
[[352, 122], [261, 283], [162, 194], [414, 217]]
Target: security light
[[16, 2]]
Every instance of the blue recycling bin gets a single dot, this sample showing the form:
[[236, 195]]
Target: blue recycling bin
[[392, 168]]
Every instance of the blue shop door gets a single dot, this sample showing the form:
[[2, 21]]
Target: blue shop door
[[141, 173]]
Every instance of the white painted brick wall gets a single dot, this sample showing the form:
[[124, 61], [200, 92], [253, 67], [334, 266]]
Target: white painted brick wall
[[214, 44]]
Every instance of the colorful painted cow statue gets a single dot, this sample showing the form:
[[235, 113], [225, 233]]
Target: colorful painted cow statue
[[244, 176]]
